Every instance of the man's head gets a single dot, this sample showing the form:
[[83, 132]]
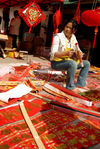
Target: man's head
[[70, 27], [16, 13]]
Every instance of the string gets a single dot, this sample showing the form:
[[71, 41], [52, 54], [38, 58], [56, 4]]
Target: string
[[94, 4]]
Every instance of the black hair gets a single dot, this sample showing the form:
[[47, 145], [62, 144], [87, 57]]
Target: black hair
[[16, 12], [74, 24]]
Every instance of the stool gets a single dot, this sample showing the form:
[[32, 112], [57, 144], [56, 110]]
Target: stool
[[59, 72]]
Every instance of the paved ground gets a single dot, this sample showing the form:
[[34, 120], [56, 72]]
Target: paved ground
[[26, 59]]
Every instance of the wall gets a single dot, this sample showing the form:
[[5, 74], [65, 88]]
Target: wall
[[12, 9]]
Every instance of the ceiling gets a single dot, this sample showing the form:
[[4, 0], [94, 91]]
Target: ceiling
[[15, 3]]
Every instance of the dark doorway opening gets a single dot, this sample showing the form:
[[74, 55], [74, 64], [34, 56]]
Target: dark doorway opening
[[49, 31]]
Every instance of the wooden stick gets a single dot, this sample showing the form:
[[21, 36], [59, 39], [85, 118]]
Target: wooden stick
[[39, 96], [57, 91], [31, 127], [3, 53], [78, 54]]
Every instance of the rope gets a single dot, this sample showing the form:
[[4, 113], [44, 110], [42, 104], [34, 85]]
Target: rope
[[94, 4]]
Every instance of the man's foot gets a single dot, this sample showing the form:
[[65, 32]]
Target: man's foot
[[76, 90], [84, 88]]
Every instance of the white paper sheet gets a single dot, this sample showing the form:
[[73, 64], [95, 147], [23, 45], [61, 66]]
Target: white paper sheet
[[16, 92]]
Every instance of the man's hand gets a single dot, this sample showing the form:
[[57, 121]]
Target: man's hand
[[70, 52], [80, 54]]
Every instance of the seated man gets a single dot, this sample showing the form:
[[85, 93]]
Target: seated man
[[63, 49]]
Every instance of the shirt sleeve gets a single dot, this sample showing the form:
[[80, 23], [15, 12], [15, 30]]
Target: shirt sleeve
[[55, 46], [75, 41]]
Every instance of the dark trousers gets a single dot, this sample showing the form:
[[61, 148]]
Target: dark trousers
[[14, 41]]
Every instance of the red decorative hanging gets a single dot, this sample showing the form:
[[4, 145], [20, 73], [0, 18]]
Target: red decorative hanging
[[95, 35], [77, 14], [92, 18], [32, 14], [56, 22]]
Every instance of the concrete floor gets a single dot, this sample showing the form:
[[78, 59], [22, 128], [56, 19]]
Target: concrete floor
[[7, 63], [25, 59]]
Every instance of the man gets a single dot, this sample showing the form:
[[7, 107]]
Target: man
[[14, 28], [62, 57]]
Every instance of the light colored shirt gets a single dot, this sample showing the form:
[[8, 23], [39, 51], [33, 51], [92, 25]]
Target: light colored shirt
[[14, 26], [61, 43]]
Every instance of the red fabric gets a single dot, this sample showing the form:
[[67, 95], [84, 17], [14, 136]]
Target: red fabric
[[12, 114], [56, 129], [56, 20], [71, 103], [69, 92], [77, 14]]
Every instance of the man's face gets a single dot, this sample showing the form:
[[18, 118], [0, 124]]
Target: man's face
[[68, 29]]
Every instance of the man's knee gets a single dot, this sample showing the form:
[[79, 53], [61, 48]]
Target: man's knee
[[72, 64], [86, 63]]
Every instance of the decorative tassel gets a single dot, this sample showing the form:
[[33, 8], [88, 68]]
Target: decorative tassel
[[78, 54], [30, 30], [95, 31]]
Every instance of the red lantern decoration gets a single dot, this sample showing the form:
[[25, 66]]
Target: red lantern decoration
[[92, 18], [32, 14]]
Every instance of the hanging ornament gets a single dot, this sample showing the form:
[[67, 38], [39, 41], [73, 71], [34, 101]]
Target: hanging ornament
[[77, 13], [32, 14], [56, 22], [95, 35], [92, 18]]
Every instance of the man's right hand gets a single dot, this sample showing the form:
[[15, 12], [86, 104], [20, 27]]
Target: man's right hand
[[70, 52]]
